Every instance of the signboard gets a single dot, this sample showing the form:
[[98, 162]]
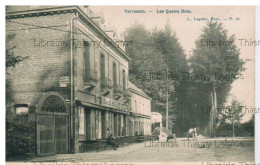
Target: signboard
[[110, 103], [63, 85], [64, 81]]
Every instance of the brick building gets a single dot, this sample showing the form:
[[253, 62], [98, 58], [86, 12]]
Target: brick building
[[75, 79]]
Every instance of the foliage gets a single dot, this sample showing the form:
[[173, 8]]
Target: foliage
[[249, 127], [166, 41], [144, 59], [156, 56], [10, 59], [20, 135], [216, 64], [246, 129], [232, 113], [20, 129]]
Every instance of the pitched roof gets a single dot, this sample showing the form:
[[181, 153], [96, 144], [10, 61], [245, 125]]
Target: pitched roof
[[132, 87]]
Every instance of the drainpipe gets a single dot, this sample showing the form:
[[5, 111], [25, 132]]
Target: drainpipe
[[72, 123]]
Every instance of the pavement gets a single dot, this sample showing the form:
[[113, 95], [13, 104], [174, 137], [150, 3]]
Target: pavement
[[206, 149]]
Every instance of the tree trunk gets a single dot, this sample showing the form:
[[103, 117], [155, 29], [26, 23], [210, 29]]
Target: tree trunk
[[215, 111], [233, 129], [213, 114]]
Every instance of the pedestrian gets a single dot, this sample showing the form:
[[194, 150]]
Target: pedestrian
[[174, 137], [111, 141]]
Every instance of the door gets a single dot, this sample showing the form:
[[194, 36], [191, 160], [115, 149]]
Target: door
[[61, 134], [104, 128], [52, 126], [115, 125], [45, 135], [52, 134]]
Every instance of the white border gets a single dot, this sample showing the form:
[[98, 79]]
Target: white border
[[2, 85], [257, 83], [132, 2]]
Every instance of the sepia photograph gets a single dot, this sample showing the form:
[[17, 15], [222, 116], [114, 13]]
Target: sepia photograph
[[129, 85]]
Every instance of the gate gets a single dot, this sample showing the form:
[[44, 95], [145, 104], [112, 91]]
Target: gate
[[52, 127], [46, 135], [61, 134]]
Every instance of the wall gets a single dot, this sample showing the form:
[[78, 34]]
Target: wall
[[46, 63], [140, 104], [97, 48]]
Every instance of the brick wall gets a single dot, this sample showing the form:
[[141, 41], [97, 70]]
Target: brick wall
[[45, 63]]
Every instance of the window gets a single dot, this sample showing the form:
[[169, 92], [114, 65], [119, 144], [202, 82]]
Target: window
[[21, 109], [98, 124], [53, 104], [115, 125], [114, 74], [81, 121], [119, 122], [135, 106], [140, 107], [124, 80], [86, 54], [102, 68]]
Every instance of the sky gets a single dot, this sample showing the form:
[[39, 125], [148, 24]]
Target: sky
[[237, 20]]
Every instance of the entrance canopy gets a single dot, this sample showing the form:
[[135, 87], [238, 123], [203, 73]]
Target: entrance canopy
[[156, 117]]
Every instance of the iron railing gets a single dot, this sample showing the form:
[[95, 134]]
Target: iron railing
[[90, 75]]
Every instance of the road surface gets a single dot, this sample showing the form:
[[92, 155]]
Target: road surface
[[218, 149]]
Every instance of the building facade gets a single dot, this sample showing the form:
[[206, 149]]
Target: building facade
[[74, 80], [140, 112]]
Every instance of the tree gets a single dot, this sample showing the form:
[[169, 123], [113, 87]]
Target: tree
[[232, 114], [20, 130], [249, 127], [144, 58], [156, 57], [147, 67], [10, 59], [166, 41], [216, 58]]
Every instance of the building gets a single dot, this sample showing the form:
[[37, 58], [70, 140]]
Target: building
[[140, 112], [75, 79]]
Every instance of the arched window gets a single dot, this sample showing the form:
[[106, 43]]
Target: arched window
[[53, 104]]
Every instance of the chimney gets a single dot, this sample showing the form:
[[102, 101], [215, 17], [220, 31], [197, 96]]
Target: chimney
[[98, 19], [110, 31], [86, 10], [121, 41]]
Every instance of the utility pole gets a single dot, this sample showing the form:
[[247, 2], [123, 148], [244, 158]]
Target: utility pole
[[233, 124], [167, 97]]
